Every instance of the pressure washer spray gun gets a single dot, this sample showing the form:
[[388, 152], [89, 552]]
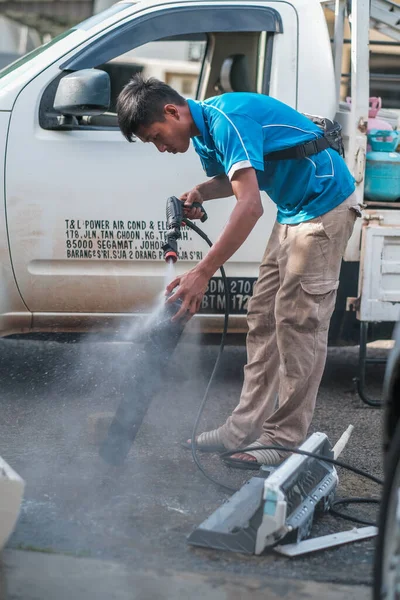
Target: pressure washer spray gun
[[175, 218]]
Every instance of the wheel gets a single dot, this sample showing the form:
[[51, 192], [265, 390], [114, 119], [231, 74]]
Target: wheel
[[386, 585]]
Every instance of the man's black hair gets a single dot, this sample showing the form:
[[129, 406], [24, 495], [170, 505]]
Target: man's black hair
[[141, 103]]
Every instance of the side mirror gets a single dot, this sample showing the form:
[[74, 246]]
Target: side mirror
[[83, 93]]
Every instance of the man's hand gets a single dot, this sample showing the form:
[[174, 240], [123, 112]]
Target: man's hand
[[191, 288], [189, 198], [217, 187]]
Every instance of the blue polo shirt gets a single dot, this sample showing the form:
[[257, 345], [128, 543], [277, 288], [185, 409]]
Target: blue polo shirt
[[238, 129]]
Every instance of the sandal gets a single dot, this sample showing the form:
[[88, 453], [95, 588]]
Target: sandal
[[268, 458], [209, 441]]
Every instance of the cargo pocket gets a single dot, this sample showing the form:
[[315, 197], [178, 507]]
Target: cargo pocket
[[316, 303]]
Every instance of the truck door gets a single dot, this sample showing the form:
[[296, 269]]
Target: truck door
[[85, 209]]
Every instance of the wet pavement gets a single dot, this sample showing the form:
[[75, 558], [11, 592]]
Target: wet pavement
[[37, 576], [138, 516]]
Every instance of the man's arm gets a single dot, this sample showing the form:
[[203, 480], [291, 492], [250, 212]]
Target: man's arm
[[248, 209], [217, 187], [242, 220]]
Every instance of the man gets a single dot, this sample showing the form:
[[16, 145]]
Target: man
[[288, 316]]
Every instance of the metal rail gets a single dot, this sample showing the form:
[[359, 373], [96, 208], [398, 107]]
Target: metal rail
[[363, 361]]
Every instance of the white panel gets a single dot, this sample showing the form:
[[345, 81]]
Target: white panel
[[380, 274], [11, 492], [381, 215]]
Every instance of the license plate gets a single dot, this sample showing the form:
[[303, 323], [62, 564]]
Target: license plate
[[240, 291]]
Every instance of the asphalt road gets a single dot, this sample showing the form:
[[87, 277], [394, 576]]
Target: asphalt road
[[141, 513]]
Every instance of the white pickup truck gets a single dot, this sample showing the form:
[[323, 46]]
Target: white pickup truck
[[84, 211]]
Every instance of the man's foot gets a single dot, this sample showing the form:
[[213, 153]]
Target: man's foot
[[254, 459], [208, 441], [244, 456]]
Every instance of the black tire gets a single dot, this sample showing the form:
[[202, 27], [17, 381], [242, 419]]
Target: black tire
[[389, 528]]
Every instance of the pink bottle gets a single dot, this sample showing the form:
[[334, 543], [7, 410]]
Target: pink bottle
[[375, 104]]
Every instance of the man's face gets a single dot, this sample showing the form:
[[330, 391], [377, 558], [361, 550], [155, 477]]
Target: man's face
[[170, 135]]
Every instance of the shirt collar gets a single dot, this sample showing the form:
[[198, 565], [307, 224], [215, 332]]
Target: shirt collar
[[196, 111]]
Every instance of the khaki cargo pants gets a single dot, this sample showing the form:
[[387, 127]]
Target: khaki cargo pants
[[288, 319]]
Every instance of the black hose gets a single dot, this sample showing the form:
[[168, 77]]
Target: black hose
[[193, 440], [332, 461]]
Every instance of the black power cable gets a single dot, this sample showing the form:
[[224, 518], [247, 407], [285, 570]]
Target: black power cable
[[347, 517], [193, 440]]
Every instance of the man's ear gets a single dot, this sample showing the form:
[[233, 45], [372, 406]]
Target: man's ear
[[170, 110]]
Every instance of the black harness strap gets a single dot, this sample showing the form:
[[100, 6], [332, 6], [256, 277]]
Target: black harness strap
[[301, 151]]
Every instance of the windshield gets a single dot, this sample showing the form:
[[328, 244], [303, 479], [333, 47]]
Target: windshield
[[106, 14], [31, 55], [85, 26]]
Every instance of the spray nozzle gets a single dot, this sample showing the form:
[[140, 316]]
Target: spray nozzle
[[170, 254], [174, 222]]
